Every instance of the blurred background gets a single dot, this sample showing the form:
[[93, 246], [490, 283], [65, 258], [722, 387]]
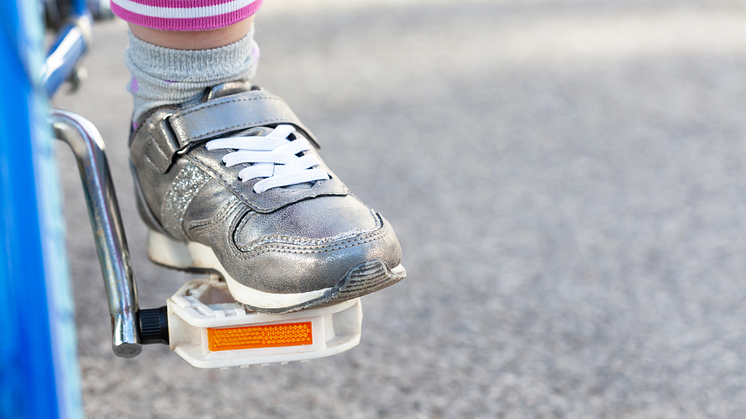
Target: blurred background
[[568, 182]]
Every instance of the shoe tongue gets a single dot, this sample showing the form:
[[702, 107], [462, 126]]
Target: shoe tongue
[[253, 132], [227, 89], [232, 88], [262, 132]]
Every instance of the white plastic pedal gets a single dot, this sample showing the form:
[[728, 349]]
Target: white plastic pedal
[[210, 330]]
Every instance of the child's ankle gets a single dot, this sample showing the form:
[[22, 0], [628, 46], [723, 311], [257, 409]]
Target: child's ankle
[[164, 76]]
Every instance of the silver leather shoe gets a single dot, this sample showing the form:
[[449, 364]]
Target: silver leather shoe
[[235, 185]]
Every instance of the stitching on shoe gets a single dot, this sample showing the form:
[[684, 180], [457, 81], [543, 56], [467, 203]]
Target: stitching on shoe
[[145, 156], [293, 250], [299, 249], [158, 147], [215, 228], [152, 144], [234, 201], [348, 236]]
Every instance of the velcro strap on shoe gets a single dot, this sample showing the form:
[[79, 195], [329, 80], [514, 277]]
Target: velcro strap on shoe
[[155, 142], [232, 113]]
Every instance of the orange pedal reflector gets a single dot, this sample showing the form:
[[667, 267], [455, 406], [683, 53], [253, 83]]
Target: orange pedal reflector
[[269, 336]]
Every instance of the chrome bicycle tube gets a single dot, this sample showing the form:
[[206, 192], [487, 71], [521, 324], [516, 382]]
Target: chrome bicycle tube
[[108, 231], [70, 46]]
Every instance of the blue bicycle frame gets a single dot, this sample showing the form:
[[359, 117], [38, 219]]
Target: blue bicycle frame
[[39, 375]]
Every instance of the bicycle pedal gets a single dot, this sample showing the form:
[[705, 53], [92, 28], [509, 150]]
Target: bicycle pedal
[[209, 329]]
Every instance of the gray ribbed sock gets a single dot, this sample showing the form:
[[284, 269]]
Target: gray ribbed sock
[[164, 76]]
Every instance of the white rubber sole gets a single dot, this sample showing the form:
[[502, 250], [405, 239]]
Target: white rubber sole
[[361, 280]]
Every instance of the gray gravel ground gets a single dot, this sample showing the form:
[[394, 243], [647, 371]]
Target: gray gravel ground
[[567, 179]]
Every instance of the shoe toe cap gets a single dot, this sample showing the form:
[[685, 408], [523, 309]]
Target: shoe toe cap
[[311, 247]]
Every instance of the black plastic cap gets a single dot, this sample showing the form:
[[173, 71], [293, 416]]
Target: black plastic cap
[[154, 325]]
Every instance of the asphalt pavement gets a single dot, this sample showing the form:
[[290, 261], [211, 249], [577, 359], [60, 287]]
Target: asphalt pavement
[[568, 183]]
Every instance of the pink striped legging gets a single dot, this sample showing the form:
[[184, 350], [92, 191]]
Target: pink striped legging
[[185, 15]]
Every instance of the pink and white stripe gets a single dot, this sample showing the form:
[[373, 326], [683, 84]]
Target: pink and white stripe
[[185, 15]]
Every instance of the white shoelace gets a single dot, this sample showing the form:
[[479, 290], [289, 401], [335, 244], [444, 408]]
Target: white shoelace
[[273, 157]]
